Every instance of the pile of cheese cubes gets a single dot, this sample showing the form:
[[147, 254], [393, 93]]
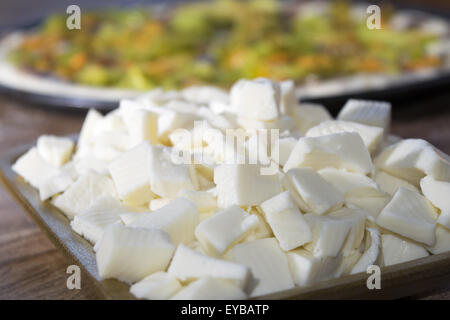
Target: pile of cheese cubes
[[345, 194]]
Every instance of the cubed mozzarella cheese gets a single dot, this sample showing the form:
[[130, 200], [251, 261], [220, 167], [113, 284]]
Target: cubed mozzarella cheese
[[131, 254], [244, 185], [87, 133], [396, 250], [372, 205], [208, 288], [412, 159], [372, 113], [308, 115], [55, 184], [410, 215], [33, 168], [257, 99], [142, 125], [131, 175], [178, 218], [306, 269], [223, 229], [390, 183], [329, 234], [371, 255], [371, 136], [103, 212], [157, 286], [268, 264], [311, 192], [344, 150], [55, 150], [188, 265], [83, 193], [438, 192], [204, 201], [286, 221]]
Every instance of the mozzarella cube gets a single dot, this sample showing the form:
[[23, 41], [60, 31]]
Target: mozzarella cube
[[410, 215], [178, 218], [83, 193], [396, 250], [287, 222], [344, 150], [371, 136], [438, 192], [372, 113], [54, 185], [390, 183], [223, 229], [306, 269], [329, 234], [157, 286], [188, 265], [244, 185], [87, 133], [131, 254], [204, 201], [357, 220], [131, 175], [142, 125], [208, 288], [412, 159], [103, 212], [311, 192], [308, 115], [55, 150], [33, 168], [268, 264]]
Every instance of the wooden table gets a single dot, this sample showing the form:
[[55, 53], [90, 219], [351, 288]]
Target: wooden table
[[31, 267]]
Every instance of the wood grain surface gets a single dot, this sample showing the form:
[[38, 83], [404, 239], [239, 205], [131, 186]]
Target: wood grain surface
[[32, 268]]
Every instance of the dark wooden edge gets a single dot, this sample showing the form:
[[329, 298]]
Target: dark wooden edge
[[396, 281]]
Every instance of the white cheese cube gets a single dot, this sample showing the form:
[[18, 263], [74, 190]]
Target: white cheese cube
[[178, 218], [54, 185], [287, 222], [308, 115], [372, 113], [106, 142], [103, 212], [208, 288], [306, 269], [244, 185], [311, 192], [170, 120], [142, 125], [442, 243], [329, 234], [188, 265], [344, 150], [157, 286], [396, 250], [372, 205], [131, 175], [412, 159], [87, 133], [268, 264], [372, 254], [83, 193], [33, 168], [438, 192], [371, 136], [351, 184], [223, 229], [55, 150], [410, 215], [257, 99], [390, 183], [168, 178], [88, 163], [131, 254], [355, 237], [289, 99], [262, 229], [204, 201]]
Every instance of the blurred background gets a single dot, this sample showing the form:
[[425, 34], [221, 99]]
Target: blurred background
[[30, 266]]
